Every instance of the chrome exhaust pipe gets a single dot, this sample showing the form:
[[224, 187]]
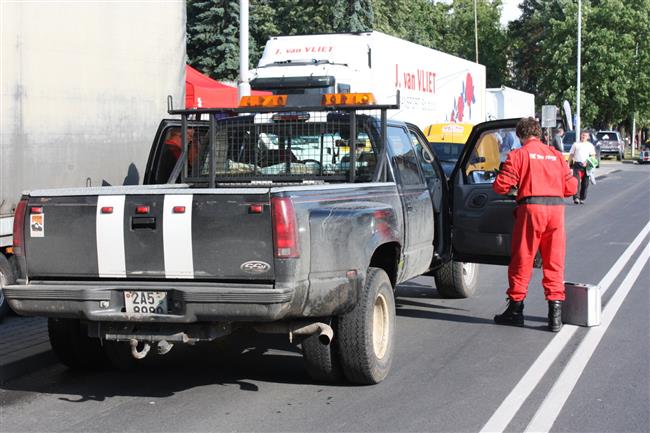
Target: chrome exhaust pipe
[[323, 330]]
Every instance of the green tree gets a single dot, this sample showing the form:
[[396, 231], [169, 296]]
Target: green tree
[[418, 21], [458, 36], [615, 80], [352, 15], [213, 37]]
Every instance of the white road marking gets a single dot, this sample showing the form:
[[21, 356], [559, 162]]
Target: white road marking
[[177, 237], [513, 402], [109, 228], [555, 400]]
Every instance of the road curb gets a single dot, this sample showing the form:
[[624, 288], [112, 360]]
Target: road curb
[[38, 357]]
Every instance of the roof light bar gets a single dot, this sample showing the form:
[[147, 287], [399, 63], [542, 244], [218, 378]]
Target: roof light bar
[[348, 99], [263, 101]]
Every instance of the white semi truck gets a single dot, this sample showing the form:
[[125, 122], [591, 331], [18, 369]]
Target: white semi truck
[[83, 88], [434, 86]]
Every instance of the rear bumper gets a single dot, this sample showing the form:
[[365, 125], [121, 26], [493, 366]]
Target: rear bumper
[[610, 151], [187, 302]]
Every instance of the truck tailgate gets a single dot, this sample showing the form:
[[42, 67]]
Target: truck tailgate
[[150, 234]]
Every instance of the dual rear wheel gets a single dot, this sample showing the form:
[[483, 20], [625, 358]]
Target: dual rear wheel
[[362, 348]]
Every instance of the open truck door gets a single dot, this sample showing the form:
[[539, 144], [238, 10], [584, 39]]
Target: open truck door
[[482, 220]]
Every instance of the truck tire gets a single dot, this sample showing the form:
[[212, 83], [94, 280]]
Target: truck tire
[[321, 361], [7, 277], [366, 334], [456, 279], [619, 156], [73, 347]]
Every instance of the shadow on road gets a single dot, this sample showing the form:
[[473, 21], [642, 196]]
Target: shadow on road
[[428, 304], [241, 360]]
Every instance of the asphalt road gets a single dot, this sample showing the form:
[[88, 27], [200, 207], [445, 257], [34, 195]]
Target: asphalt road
[[453, 367]]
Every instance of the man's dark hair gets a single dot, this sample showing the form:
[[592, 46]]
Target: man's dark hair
[[528, 127]]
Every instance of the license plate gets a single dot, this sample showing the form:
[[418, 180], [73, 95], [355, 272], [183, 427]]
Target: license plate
[[144, 302]]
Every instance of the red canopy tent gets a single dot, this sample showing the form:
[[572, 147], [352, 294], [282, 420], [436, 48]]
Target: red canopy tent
[[202, 91]]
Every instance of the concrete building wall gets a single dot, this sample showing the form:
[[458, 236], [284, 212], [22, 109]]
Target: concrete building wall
[[84, 86]]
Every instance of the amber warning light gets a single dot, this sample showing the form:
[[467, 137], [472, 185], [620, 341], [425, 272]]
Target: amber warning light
[[348, 99], [327, 100], [263, 101]]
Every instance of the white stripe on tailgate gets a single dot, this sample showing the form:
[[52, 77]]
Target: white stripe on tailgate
[[177, 237], [111, 260]]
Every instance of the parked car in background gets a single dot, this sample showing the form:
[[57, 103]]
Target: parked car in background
[[611, 144], [570, 137], [644, 157]]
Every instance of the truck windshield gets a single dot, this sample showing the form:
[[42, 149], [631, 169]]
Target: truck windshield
[[285, 147]]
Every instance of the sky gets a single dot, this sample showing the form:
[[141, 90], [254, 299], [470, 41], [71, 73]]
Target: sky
[[510, 11]]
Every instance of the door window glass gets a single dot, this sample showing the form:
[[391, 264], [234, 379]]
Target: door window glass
[[427, 168], [492, 148], [404, 156]]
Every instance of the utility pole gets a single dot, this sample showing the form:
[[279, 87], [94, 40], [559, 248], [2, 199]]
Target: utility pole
[[243, 87], [636, 57], [579, 67], [476, 30]]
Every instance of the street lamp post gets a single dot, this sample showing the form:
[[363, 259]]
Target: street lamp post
[[579, 67], [243, 87], [476, 30]]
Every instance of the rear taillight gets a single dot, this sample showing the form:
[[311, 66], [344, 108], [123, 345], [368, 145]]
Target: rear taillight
[[19, 228], [285, 235]]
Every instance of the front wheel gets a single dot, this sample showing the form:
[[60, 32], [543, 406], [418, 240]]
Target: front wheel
[[456, 279], [366, 334]]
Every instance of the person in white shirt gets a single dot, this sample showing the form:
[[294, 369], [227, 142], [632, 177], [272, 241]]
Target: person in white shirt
[[580, 151]]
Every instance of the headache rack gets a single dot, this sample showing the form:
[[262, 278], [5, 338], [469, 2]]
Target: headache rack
[[284, 139]]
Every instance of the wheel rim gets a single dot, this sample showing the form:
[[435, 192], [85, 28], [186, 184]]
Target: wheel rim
[[380, 326], [469, 272]]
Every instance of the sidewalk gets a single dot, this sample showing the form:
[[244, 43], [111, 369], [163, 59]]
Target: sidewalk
[[24, 346]]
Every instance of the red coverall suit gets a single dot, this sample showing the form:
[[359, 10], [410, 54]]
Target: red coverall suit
[[542, 177]]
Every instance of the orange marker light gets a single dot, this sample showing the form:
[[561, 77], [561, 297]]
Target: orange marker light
[[107, 209], [142, 209], [178, 209], [348, 99], [263, 101]]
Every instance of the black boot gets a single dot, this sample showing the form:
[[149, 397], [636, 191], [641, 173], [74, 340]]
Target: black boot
[[513, 316], [554, 316]]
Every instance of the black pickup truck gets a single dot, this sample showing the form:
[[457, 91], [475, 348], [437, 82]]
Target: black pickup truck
[[278, 217]]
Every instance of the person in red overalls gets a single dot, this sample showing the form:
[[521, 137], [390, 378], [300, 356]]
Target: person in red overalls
[[540, 178]]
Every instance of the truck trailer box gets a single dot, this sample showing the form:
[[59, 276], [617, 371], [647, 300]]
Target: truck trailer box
[[507, 103], [434, 87], [84, 85]]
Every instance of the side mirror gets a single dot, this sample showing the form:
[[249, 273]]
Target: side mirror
[[427, 156]]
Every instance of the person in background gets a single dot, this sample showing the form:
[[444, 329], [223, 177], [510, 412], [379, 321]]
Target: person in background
[[557, 139], [578, 155], [540, 178]]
